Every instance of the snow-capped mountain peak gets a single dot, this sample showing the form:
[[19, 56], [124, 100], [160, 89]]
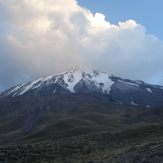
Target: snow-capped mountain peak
[[96, 83], [66, 79]]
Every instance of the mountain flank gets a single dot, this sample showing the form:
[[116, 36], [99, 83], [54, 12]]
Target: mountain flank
[[79, 116]]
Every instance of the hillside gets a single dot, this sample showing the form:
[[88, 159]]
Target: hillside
[[141, 144], [66, 116], [63, 118]]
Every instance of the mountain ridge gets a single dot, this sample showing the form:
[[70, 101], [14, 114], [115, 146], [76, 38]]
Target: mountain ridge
[[99, 84]]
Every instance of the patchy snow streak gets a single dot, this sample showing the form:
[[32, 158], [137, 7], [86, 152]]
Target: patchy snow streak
[[132, 102], [71, 78], [67, 80], [103, 81], [148, 106], [149, 90]]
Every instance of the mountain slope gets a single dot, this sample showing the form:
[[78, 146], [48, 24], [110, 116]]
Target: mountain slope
[[72, 115], [77, 102]]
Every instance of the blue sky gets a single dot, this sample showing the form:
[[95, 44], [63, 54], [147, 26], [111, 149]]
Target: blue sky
[[120, 37], [145, 12]]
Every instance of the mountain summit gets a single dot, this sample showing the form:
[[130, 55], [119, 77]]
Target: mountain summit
[[98, 84]]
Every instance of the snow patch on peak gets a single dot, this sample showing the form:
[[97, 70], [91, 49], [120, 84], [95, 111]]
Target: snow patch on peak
[[103, 81], [133, 84], [72, 78], [68, 79], [54, 91], [149, 90], [99, 79], [95, 72]]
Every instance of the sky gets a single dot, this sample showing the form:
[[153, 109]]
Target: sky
[[40, 38], [145, 12]]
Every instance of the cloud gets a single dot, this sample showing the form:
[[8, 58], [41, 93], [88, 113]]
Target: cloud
[[39, 38]]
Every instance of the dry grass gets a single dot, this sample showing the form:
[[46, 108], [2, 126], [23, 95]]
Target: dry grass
[[99, 147]]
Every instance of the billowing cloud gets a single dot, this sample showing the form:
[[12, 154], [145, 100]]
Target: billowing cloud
[[39, 38]]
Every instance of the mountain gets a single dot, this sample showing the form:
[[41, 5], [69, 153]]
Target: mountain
[[79, 116], [58, 101], [98, 84]]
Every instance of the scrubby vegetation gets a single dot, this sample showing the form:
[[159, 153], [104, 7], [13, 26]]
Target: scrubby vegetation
[[140, 145]]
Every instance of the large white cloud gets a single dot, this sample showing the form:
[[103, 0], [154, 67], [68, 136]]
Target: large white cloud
[[40, 38]]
